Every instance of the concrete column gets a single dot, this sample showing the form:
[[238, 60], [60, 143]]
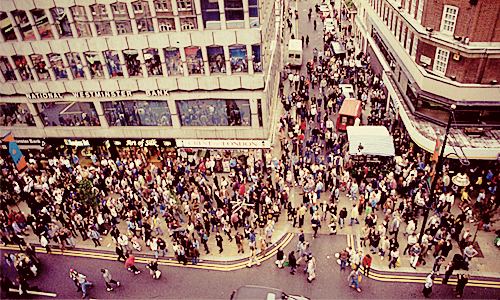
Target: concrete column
[[14, 26], [199, 18], [34, 113], [177, 21], [32, 68], [143, 63], [100, 114], [222, 12], [53, 27], [254, 116], [85, 65], [249, 59], [49, 68], [66, 66], [123, 64], [31, 19], [104, 65], [228, 60], [246, 14], [71, 21], [204, 55], [176, 121]]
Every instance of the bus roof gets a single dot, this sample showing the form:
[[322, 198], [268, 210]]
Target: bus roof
[[295, 45], [350, 107]]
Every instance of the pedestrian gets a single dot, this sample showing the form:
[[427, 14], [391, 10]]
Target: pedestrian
[[342, 217], [84, 283], [253, 257], [353, 279], [354, 214], [429, 281], [107, 278], [448, 272], [240, 240], [311, 269], [6, 284], [119, 252], [437, 264], [302, 248], [262, 245], [367, 263], [303, 40], [280, 258], [292, 261], [74, 276], [129, 264], [218, 239], [162, 246], [344, 257], [204, 240], [394, 257], [314, 23], [44, 242], [463, 279], [307, 41]]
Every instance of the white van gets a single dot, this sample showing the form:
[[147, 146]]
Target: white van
[[295, 53]]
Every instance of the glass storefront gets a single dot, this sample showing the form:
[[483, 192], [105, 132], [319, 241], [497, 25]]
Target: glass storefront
[[137, 113], [12, 114], [212, 112], [68, 113]]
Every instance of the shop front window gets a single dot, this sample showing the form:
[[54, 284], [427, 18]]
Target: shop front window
[[253, 13], [173, 60], [40, 66], [6, 26], [234, 14], [153, 63], [433, 109], [14, 114], [210, 14], [42, 23], [133, 62], [194, 60], [216, 59], [61, 21], [76, 65], [22, 66], [113, 62], [81, 21], [137, 113], [68, 113], [238, 57], [95, 64], [7, 70], [257, 63], [58, 66], [490, 116], [211, 112]]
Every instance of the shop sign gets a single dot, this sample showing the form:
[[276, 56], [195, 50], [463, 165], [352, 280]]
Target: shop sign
[[44, 96], [157, 93], [76, 143], [30, 141], [143, 143], [113, 94], [228, 144]]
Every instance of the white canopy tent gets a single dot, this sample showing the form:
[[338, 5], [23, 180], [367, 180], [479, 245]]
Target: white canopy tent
[[375, 140]]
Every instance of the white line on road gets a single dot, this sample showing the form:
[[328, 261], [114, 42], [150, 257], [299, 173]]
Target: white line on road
[[36, 293]]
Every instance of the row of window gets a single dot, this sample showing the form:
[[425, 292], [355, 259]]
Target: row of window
[[207, 112], [407, 38], [95, 20], [135, 63]]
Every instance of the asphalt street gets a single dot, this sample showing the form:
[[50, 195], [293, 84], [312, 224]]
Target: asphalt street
[[185, 283]]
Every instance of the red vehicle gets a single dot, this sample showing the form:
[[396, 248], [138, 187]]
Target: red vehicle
[[351, 110]]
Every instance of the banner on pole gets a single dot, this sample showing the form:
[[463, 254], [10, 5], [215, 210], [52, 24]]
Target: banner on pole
[[15, 153]]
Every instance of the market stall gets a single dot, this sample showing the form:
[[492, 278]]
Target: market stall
[[370, 144]]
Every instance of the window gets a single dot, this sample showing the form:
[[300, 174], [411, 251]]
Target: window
[[194, 60], [173, 61], [234, 14], [22, 66], [58, 66], [257, 64], [7, 70], [216, 59], [214, 112], [81, 22], [12, 114], [441, 61], [413, 51], [253, 13], [408, 40], [138, 7], [7, 29], [68, 113], [104, 28], [420, 10], [137, 113], [119, 8], [433, 109], [184, 4], [95, 64], [413, 8], [99, 11], [210, 13], [24, 25], [42, 23], [238, 58], [133, 63], [40, 67], [449, 19], [188, 24], [144, 18], [162, 5], [61, 21], [123, 27], [113, 63], [153, 63], [259, 112], [76, 65], [166, 24]]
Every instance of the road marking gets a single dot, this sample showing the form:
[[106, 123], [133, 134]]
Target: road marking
[[170, 262], [35, 293]]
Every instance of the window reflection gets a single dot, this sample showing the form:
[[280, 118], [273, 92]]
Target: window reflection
[[95, 65], [113, 62], [68, 114], [238, 57], [173, 60], [210, 112], [22, 66], [58, 66], [24, 25], [81, 21], [137, 113], [194, 60], [15, 114], [153, 63], [257, 64], [216, 59], [133, 62], [61, 21], [40, 66], [6, 27], [42, 23], [7, 70], [75, 64]]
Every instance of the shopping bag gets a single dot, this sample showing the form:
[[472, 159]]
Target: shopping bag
[[286, 264], [398, 262], [359, 278]]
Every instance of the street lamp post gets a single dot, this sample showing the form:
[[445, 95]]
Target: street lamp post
[[438, 171]]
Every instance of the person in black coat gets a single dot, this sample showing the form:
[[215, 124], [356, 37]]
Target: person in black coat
[[292, 261]]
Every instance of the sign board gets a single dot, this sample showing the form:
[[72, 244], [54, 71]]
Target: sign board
[[225, 144], [425, 60], [144, 143]]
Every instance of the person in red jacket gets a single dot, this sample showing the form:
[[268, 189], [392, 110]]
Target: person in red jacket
[[367, 263], [129, 264]]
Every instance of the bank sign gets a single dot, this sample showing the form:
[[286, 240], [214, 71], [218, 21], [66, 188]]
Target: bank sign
[[226, 144]]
